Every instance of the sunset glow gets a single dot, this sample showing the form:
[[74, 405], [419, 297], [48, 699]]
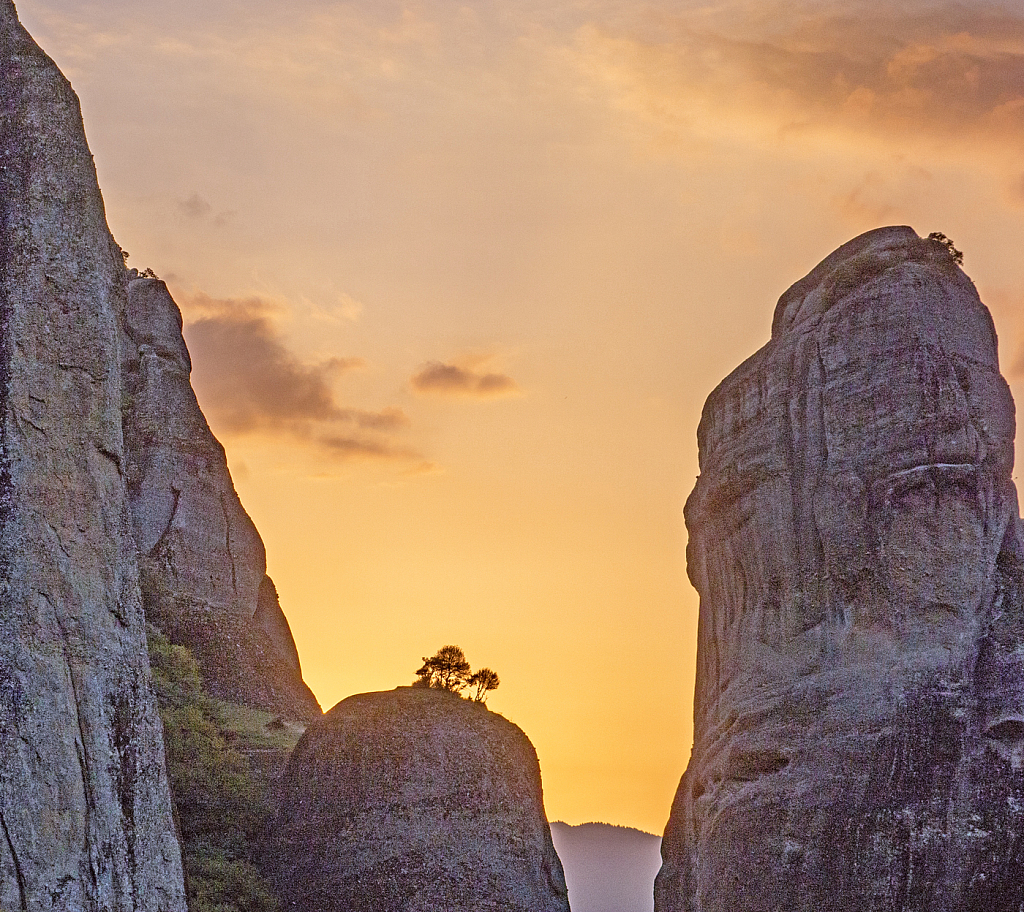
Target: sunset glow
[[458, 278]]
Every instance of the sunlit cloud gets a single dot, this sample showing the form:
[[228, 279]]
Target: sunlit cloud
[[249, 380], [440, 379], [948, 71], [355, 447]]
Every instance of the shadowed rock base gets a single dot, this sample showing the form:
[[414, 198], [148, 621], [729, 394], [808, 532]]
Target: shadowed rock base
[[856, 543]]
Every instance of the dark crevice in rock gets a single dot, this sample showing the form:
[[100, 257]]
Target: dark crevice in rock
[[18, 873], [1009, 732], [752, 765], [176, 496], [227, 542]]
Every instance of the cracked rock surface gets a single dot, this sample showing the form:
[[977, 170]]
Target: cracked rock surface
[[856, 542], [202, 562], [415, 800], [85, 814]]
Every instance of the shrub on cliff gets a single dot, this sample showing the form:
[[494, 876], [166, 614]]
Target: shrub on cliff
[[221, 809], [955, 255]]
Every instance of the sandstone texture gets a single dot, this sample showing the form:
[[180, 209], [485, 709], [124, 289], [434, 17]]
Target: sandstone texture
[[856, 543], [415, 800], [202, 562], [85, 814]]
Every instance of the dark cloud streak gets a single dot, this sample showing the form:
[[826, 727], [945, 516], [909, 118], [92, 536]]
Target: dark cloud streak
[[937, 68], [438, 378], [252, 382]]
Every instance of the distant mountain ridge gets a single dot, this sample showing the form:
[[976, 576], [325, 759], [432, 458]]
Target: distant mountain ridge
[[608, 868]]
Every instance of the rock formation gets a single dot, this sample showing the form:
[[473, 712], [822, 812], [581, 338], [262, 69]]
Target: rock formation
[[203, 564], [856, 543], [415, 800], [85, 815]]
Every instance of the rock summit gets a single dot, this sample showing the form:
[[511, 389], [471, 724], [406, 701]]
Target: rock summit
[[415, 800], [856, 542]]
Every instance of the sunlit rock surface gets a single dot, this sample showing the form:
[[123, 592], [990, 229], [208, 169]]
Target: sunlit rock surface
[[855, 540], [85, 815], [415, 800], [203, 564]]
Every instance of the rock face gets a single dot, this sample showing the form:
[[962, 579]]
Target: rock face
[[202, 561], [856, 543], [415, 800], [85, 815]]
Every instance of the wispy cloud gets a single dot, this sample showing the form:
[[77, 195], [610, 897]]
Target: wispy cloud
[[440, 379], [356, 448], [197, 209], [919, 68], [251, 381]]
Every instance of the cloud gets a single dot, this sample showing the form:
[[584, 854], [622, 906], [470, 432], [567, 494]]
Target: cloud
[[250, 381], [944, 70], [878, 196], [354, 447], [440, 379], [195, 207]]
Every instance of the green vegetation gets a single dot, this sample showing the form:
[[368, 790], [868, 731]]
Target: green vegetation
[[222, 804], [447, 669]]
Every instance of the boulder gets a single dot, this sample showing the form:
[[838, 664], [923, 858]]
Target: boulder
[[856, 543], [203, 563], [85, 814], [415, 800]]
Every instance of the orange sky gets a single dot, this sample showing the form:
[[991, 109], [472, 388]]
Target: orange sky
[[459, 277]]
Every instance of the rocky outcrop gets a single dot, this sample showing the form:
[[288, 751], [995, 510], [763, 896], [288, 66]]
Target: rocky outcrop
[[855, 540], [415, 800], [85, 815], [203, 564]]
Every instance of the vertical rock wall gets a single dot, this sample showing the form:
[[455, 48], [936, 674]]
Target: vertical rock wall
[[85, 815], [856, 543], [202, 561]]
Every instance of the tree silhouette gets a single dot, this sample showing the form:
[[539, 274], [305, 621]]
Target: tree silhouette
[[483, 680], [446, 669], [955, 255]]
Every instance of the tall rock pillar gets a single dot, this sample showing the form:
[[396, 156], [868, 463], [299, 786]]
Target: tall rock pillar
[[85, 815], [856, 543]]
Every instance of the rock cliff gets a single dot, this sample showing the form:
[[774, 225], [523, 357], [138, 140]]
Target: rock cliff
[[856, 543], [85, 814], [202, 562], [415, 800]]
